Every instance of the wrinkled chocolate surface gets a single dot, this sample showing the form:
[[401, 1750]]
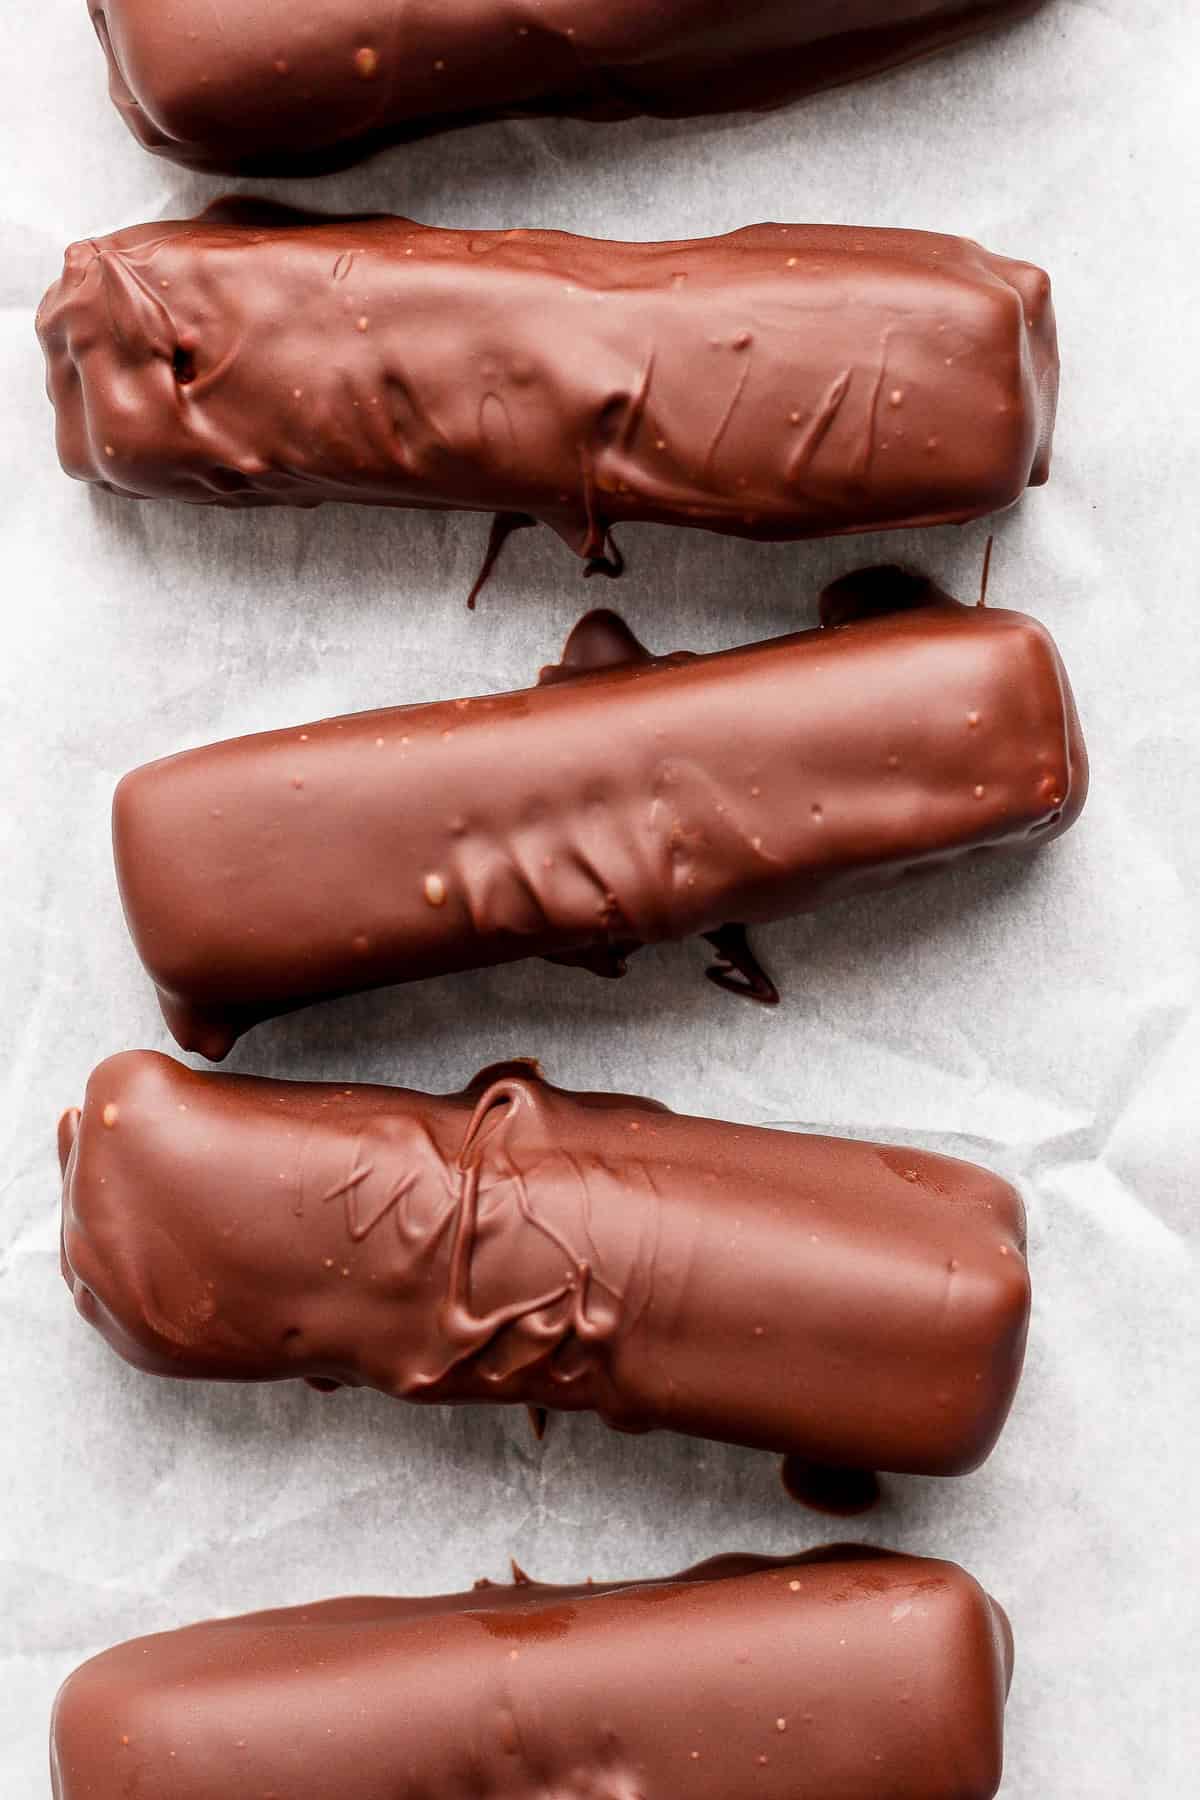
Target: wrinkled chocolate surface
[[846, 1673], [257, 85], [786, 381], [626, 800], [858, 1305]]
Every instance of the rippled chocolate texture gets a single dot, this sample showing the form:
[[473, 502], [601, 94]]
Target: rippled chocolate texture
[[849, 1673], [261, 86], [858, 1305], [786, 381], [627, 800]]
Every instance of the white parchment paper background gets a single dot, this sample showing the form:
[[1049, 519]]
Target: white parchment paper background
[[1040, 1017]]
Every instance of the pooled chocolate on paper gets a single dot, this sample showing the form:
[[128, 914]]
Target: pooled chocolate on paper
[[627, 800], [850, 1673], [250, 85], [857, 1305], [786, 381]]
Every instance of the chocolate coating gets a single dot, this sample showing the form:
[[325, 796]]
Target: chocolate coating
[[850, 1674], [255, 85], [858, 1305], [628, 800], [786, 381]]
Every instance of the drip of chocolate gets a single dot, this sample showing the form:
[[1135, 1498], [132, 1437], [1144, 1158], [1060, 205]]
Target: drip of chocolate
[[842, 1493], [241, 86], [756, 385], [987, 569], [626, 800], [874, 594], [858, 1305], [609, 961], [610, 563], [503, 526], [601, 640], [848, 1673], [737, 969]]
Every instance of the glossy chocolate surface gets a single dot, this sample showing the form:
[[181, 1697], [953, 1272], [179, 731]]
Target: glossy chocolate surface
[[626, 800], [849, 1673], [786, 381], [260, 85], [858, 1305]]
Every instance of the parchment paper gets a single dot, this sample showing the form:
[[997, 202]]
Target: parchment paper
[[1040, 1016]]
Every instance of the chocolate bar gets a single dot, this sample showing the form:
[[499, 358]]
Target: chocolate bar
[[846, 1673], [787, 381], [627, 800], [247, 85], [857, 1305]]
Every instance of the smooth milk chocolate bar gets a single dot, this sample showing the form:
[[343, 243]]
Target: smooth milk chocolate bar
[[856, 1305], [849, 1672], [787, 381], [255, 86], [626, 800]]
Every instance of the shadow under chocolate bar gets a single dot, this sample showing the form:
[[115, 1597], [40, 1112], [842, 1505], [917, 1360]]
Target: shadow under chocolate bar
[[856, 1305], [627, 800], [252, 86], [783, 382], [846, 1672]]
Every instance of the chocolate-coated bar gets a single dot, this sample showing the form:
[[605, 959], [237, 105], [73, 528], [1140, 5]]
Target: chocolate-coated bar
[[259, 86], [626, 800], [787, 381], [846, 1673], [856, 1305]]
